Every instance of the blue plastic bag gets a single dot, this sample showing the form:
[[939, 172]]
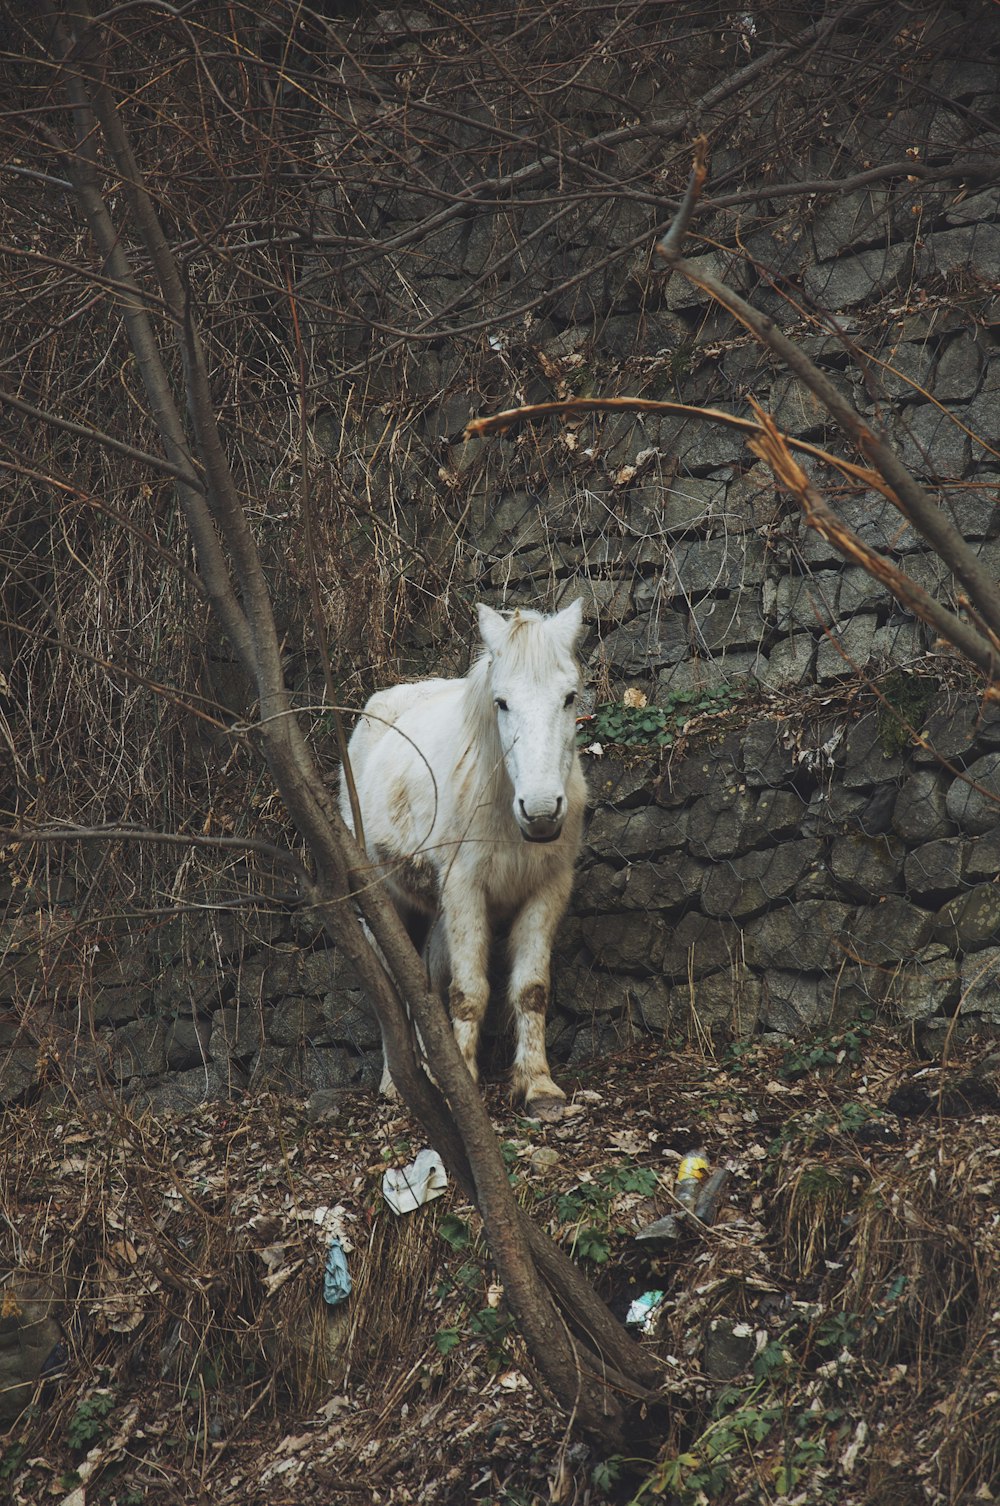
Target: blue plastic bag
[[336, 1278]]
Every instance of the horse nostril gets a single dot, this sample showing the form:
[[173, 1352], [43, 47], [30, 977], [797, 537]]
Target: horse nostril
[[559, 806]]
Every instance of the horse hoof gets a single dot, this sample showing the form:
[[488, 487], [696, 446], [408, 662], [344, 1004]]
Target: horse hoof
[[545, 1107]]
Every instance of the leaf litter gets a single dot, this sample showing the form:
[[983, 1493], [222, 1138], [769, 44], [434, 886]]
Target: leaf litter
[[832, 1336]]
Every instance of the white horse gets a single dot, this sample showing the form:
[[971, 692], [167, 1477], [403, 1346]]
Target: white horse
[[472, 800]]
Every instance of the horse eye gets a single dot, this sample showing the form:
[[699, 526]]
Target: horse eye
[[570, 699], [500, 703]]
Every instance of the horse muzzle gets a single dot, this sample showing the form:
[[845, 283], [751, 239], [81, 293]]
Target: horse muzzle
[[542, 828]]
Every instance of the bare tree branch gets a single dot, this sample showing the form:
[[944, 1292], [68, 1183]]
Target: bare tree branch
[[914, 501]]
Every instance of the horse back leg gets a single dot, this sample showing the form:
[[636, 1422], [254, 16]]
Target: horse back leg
[[530, 953]]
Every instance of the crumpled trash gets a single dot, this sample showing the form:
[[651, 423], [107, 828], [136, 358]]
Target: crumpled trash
[[408, 1187], [643, 1313], [336, 1277]]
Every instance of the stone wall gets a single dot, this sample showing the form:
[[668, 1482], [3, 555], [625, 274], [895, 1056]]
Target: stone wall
[[786, 874]]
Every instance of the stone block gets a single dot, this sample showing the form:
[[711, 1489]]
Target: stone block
[[691, 501], [982, 859], [931, 443], [652, 1004], [716, 564], [294, 1020], [889, 932], [733, 621], [980, 980], [680, 293], [973, 802], [642, 647], [187, 1043], [847, 220], [789, 662], [19, 1069], [583, 992], [777, 816], [791, 1003], [29, 1332], [139, 1049], [867, 761], [620, 778], [968, 249], [633, 834], [851, 280], [767, 761], [729, 1000], [236, 1032], [806, 602], [867, 867], [920, 812], [732, 667], [972, 921], [846, 648], [658, 886], [810, 935], [936, 869], [114, 1005], [710, 766], [927, 986], [700, 944], [182, 1091], [633, 942], [718, 830], [350, 1021], [747, 885], [959, 369]]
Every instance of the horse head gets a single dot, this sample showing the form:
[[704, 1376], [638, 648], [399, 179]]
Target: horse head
[[533, 681]]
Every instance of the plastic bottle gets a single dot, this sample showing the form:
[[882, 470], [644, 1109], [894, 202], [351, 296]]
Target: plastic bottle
[[690, 1172]]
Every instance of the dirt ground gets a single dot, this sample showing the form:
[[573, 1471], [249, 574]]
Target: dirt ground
[[832, 1337]]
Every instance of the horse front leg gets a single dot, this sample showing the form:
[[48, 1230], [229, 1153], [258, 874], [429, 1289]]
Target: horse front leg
[[465, 966], [530, 953]]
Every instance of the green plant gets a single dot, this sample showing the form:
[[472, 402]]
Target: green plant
[[588, 1207], [625, 726], [803, 1057], [11, 1460], [854, 1116], [773, 1360], [625, 1178], [606, 1473], [902, 708], [447, 1339], [455, 1232], [590, 1243], [483, 1321], [839, 1330], [87, 1422]]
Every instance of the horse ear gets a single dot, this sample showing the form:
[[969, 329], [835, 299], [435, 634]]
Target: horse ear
[[492, 628], [570, 623]]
